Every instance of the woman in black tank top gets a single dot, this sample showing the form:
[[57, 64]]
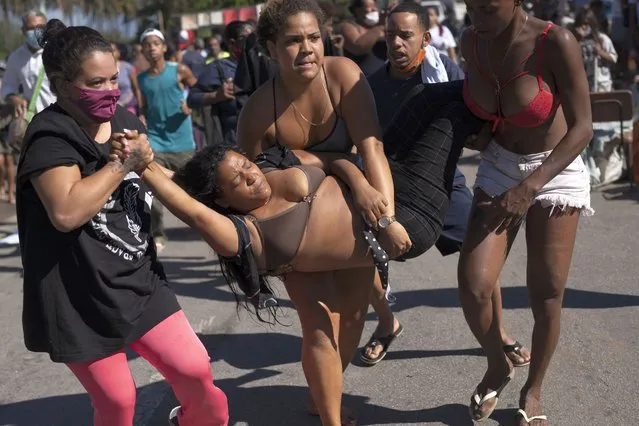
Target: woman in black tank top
[[318, 103], [321, 104]]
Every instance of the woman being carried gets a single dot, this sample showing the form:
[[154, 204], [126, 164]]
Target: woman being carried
[[296, 222]]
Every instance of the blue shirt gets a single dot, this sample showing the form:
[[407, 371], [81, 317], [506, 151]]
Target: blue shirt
[[452, 69], [170, 130], [194, 60], [211, 79]]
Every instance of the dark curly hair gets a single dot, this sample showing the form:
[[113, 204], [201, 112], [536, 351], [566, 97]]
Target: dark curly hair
[[66, 48], [198, 177], [274, 15]]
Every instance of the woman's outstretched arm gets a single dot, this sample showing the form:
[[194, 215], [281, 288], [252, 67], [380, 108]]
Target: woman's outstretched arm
[[217, 230]]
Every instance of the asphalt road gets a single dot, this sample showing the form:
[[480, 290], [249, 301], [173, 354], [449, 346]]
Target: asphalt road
[[431, 370]]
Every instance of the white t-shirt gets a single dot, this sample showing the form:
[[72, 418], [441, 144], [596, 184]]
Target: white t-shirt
[[22, 72], [603, 74], [442, 39], [598, 71]]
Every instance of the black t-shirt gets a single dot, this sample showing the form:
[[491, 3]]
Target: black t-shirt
[[390, 93], [92, 291]]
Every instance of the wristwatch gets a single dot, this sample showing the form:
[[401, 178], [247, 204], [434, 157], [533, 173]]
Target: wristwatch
[[385, 221]]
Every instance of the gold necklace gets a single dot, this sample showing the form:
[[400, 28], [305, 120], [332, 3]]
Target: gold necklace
[[498, 84], [325, 120]]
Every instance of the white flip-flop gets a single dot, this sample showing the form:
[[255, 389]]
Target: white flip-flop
[[530, 419], [478, 402]]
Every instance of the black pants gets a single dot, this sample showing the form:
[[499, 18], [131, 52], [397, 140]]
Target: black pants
[[423, 144]]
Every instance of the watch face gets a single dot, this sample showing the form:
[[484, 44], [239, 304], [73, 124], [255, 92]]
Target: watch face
[[384, 222]]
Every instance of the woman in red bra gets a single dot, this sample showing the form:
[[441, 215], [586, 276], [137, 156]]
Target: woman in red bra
[[526, 77]]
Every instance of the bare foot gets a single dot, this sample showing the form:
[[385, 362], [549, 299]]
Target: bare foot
[[373, 352], [494, 380], [519, 355], [349, 418], [532, 407]]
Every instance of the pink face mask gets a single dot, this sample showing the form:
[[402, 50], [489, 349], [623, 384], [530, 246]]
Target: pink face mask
[[99, 104]]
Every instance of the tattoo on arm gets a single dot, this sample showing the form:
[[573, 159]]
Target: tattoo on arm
[[133, 161], [130, 164], [116, 166]]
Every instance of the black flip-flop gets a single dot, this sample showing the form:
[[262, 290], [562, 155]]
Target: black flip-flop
[[516, 349], [384, 342]]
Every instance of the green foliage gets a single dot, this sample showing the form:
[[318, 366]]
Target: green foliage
[[204, 5], [100, 9], [10, 37]]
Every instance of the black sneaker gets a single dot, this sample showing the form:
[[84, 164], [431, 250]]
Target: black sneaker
[[173, 416]]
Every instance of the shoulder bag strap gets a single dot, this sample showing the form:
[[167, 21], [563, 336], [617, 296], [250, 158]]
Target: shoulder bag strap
[[36, 93]]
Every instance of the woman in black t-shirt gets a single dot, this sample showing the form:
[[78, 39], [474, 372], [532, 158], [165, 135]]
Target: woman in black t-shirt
[[92, 282]]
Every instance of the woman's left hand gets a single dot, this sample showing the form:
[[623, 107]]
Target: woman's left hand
[[508, 210], [395, 240], [370, 203], [119, 148]]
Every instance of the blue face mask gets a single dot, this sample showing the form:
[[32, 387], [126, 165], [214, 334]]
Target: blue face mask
[[32, 39]]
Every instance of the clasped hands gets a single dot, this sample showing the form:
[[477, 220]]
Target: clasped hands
[[131, 149]]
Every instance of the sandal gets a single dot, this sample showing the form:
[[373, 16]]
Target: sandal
[[476, 402], [515, 348], [384, 342], [173, 416], [528, 420]]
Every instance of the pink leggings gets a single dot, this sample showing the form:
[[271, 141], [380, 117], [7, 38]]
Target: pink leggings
[[173, 348]]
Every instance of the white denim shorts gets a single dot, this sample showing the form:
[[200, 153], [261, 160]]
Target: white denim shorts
[[500, 170]]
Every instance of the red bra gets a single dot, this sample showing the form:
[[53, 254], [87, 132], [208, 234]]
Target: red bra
[[535, 113]]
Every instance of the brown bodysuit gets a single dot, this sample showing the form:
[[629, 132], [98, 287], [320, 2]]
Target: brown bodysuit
[[282, 234]]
